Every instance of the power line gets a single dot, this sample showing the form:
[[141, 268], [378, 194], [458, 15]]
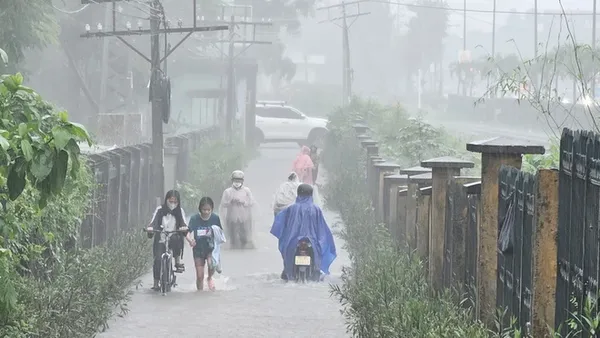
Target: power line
[[452, 9], [70, 12]]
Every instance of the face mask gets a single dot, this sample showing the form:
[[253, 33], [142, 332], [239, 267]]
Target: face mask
[[237, 185], [172, 205]]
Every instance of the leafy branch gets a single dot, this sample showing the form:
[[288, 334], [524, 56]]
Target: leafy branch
[[36, 143]]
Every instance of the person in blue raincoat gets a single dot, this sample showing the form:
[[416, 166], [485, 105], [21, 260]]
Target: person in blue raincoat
[[303, 219]]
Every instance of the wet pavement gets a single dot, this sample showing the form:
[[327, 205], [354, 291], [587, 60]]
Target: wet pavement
[[250, 300]]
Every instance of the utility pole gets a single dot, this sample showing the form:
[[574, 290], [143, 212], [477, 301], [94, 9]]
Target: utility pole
[[347, 72], [157, 114], [233, 40], [535, 28], [158, 77], [594, 52], [465, 25], [231, 104], [494, 30], [346, 76]]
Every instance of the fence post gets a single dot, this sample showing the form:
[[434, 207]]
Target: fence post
[[372, 176], [372, 149], [382, 170], [545, 251], [494, 153], [456, 231], [412, 196], [442, 169], [360, 128], [423, 222], [394, 211]]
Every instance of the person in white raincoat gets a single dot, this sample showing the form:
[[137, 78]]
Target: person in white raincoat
[[236, 211], [286, 194]]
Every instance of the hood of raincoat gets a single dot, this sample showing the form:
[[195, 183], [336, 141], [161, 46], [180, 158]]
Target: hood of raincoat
[[304, 219]]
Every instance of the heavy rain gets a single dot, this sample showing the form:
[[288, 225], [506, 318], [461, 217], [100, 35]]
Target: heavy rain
[[303, 168]]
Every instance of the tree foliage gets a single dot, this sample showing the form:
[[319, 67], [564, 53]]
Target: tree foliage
[[36, 143], [25, 25], [423, 43], [384, 292]]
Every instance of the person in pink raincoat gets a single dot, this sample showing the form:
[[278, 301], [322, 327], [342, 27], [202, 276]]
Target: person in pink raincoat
[[303, 166]]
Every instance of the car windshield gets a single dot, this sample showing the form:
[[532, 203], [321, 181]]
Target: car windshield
[[297, 111]]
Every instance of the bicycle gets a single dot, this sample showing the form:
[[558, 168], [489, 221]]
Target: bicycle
[[168, 279]]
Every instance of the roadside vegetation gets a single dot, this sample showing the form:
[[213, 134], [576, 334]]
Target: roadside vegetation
[[210, 169], [384, 293]]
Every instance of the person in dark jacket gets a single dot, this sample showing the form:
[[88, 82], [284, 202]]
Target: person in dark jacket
[[169, 217]]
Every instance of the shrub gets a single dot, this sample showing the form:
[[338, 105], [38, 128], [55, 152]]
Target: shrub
[[211, 180], [384, 293], [51, 287]]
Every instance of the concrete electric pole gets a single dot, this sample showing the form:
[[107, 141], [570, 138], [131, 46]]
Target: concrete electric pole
[[159, 82], [347, 73], [231, 41]]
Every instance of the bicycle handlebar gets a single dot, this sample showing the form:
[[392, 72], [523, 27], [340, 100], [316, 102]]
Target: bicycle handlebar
[[162, 231]]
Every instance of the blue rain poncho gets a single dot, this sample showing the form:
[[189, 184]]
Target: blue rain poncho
[[304, 219]]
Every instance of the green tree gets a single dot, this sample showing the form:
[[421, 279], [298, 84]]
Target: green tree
[[423, 43], [36, 143], [25, 25]]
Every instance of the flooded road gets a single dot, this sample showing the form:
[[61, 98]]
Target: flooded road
[[250, 300]]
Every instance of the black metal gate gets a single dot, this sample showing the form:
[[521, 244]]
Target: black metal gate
[[578, 207], [514, 284]]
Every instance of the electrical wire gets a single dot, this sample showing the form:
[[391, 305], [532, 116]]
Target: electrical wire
[[71, 12], [453, 9]]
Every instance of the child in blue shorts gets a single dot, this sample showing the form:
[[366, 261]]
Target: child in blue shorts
[[201, 239]]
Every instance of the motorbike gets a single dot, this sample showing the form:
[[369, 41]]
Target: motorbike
[[305, 269]]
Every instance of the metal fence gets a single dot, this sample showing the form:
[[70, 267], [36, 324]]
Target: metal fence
[[461, 239], [122, 199], [579, 199], [515, 272]]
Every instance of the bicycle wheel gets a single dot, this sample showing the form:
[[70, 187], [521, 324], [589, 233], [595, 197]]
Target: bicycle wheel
[[164, 275]]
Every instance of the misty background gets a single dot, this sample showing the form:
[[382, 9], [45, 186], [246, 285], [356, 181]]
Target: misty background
[[302, 65]]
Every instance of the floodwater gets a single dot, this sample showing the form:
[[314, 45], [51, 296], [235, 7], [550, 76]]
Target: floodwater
[[250, 300]]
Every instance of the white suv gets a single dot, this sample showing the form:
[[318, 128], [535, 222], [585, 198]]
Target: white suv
[[278, 122]]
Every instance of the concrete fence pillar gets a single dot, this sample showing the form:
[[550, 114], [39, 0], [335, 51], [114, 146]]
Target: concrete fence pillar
[[381, 170], [371, 176], [372, 150], [360, 128], [545, 251], [495, 152], [423, 225], [442, 169], [368, 146]]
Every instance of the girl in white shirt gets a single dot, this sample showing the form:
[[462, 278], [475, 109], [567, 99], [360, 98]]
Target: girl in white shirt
[[169, 217]]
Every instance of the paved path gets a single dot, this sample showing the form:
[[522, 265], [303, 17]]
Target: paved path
[[251, 300]]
